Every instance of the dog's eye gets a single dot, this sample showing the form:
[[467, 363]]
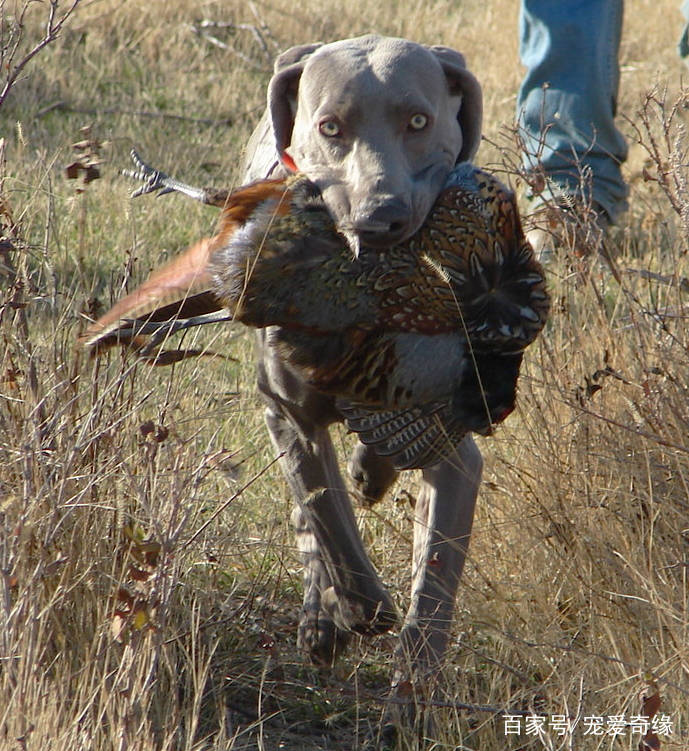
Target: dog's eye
[[418, 121], [329, 128]]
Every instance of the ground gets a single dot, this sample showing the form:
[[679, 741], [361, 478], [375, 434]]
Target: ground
[[150, 587]]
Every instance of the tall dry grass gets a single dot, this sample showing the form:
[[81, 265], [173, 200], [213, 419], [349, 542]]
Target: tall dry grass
[[149, 585]]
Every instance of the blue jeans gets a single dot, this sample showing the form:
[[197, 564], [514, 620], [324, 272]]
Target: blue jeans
[[567, 101]]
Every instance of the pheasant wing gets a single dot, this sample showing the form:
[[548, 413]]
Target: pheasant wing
[[474, 242], [482, 395], [413, 438]]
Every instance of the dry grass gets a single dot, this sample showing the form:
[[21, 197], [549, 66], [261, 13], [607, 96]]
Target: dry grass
[[140, 502]]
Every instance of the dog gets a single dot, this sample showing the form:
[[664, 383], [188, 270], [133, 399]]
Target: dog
[[377, 123]]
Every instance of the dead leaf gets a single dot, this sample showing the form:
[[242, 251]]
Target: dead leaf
[[141, 618], [138, 574], [650, 704]]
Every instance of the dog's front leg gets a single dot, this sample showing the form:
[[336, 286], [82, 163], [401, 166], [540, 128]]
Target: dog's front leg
[[341, 585], [342, 591], [442, 527]]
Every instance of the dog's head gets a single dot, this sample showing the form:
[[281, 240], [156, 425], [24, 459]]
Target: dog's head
[[377, 123]]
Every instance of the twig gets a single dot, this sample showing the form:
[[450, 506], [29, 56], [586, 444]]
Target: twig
[[462, 706], [200, 29], [67, 107], [264, 28], [9, 50], [682, 282], [255, 31], [220, 509]]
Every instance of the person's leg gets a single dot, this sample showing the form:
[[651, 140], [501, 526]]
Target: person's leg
[[567, 101], [683, 46]]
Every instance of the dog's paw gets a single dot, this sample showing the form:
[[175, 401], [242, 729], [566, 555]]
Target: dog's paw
[[320, 639], [371, 475]]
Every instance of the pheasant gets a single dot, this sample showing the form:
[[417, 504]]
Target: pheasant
[[419, 343]]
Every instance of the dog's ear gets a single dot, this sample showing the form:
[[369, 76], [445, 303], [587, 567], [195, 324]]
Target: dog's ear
[[293, 55], [463, 82], [265, 151], [283, 91]]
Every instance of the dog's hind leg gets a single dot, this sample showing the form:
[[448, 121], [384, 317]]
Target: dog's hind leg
[[371, 474]]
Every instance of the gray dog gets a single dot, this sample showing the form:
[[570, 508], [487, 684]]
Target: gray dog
[[377, 123]]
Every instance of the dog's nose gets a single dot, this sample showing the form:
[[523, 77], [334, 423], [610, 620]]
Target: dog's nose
[[383, 223]]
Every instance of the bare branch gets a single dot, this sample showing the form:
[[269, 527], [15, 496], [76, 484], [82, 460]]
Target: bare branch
[[63, 106], [10, 45], [201, 28]]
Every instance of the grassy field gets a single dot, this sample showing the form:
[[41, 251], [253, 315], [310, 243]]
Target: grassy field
[[149, 585]]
